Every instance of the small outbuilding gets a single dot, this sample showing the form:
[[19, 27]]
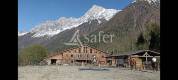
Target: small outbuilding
[[143, 58]]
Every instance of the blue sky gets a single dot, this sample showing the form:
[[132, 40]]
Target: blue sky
[[34, 12]]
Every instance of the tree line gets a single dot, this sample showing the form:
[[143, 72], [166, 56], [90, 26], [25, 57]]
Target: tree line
[[32, 55]]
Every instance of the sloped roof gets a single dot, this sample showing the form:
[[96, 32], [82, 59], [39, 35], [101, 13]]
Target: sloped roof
[[136, 53], [60, 52]]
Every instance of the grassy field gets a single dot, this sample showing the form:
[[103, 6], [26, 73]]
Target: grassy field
[[73, 73]]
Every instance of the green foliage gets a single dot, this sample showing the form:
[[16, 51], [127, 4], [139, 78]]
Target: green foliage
[[150, 39], [154, 36], [154, 41], [140, 42], [32, 55], [140, 39]]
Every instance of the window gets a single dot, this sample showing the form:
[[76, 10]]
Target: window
[[79, 50], [84, 49], [90, 50], [72, 55]]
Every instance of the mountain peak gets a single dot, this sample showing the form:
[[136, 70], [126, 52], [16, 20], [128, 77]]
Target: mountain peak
[[22, 33], [51, 28], [98, 12], [94, 10], [94, 7]]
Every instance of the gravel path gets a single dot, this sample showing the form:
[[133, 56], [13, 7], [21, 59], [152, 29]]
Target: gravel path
[[72, 73]]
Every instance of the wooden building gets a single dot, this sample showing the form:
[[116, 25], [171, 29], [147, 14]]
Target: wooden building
[[142, 58], [79, 55], [88, 55]]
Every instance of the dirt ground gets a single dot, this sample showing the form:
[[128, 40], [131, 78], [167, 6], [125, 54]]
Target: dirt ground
[[73, 73]]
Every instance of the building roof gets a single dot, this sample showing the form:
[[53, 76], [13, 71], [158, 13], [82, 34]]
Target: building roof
[[60, 52], [139, 52]]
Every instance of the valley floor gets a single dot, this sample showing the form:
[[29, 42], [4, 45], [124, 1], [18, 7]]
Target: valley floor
[[73, 73]]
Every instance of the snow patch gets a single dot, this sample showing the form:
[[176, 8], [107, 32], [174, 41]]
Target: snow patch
[[149, 1], [22, 33], [51, 28]]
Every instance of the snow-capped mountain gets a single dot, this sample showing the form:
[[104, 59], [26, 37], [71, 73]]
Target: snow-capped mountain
[[149, 1], [128, 24], [22, 33], [98, 12], [51, 28]]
